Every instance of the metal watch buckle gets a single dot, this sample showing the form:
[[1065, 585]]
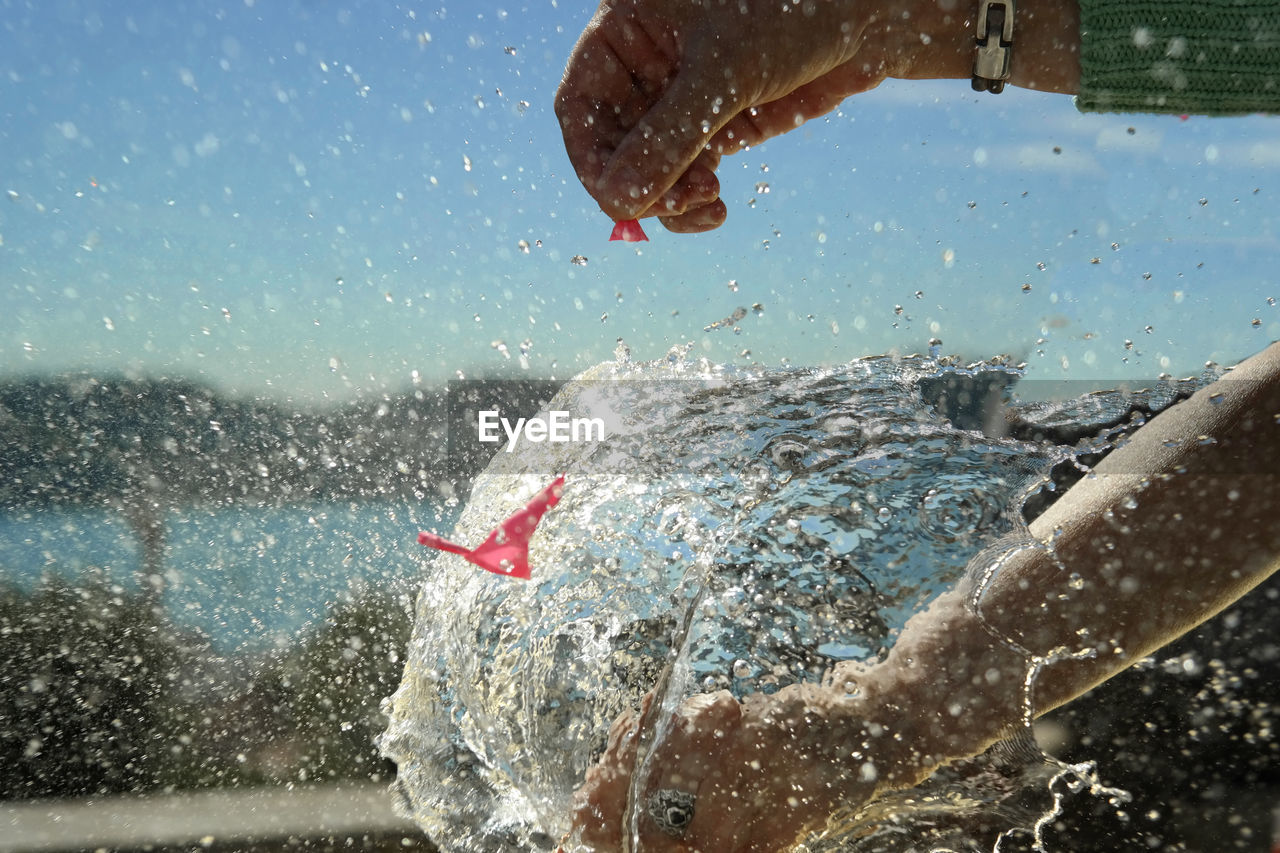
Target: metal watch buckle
[[991, 58]]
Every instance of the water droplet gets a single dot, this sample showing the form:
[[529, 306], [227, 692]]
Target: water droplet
[[466, 163], [762, 187], [523, 245], [509, 50], [741, 669], [1041, 266], [578, 260], [1216, 399], [1128, 344], [733, 285], [1075, 581], [1026, 287], [1257, 322]]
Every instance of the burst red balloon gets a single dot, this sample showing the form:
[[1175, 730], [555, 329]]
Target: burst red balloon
[[506, 550]]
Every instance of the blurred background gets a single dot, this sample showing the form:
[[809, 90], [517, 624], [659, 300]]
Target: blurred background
[[244, 246]]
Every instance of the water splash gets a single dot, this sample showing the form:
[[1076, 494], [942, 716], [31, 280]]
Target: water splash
[[741, 529]]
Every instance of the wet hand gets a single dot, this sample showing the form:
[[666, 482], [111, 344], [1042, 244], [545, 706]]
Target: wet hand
[[725, 777], [657, 91]]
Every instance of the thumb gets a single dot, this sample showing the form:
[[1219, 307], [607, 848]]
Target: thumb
[[663, 145]]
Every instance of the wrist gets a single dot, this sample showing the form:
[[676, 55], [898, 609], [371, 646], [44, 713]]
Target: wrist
[[937, 39], [1046, 46]]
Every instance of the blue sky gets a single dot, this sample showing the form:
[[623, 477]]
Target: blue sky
[[319, 200]]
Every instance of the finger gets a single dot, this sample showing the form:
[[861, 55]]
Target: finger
[[693, 205], [705, 218], [616, 72], [663, 145], [697, 187], [690, 759], [599, 805], [591, 105]]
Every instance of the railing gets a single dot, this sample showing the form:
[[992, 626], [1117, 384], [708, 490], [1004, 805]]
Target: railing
[[241, 819]]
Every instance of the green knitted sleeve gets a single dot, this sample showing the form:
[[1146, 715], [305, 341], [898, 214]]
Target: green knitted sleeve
[[1211, 57]]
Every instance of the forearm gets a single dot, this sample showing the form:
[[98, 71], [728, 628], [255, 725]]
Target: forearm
[[1172, 528], [1046, 48]]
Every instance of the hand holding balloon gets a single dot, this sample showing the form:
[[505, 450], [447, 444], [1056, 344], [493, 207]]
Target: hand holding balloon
[[657, 91]]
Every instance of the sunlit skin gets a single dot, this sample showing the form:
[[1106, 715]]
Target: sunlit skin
[[762, 770], [656, 92], [1172, 528]]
